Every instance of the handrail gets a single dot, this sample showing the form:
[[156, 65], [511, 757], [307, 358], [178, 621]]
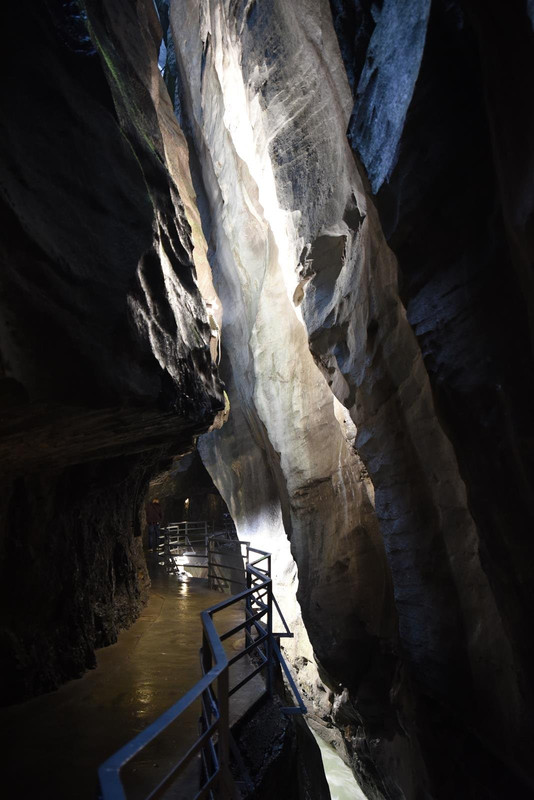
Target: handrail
[[173, 541], [213, 742]]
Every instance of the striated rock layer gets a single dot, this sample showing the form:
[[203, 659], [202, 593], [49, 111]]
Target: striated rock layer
[[313, 311], [285, 461], [106, 368]]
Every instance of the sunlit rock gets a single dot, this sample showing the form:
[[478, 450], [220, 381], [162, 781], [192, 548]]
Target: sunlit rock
[[285, 461]]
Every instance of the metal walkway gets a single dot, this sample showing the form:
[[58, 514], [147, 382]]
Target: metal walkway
[[206, 762], [53, 744]]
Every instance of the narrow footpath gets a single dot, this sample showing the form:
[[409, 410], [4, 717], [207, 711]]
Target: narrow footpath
[[52, 745]]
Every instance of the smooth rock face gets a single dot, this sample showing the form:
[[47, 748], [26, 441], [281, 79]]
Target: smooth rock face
[[105, 340], [301, 262], [284, 456], [280, 755], [285, 461]]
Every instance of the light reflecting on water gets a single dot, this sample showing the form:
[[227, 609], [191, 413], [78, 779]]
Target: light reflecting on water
[[142, 701], [183, 588], [342, 783]]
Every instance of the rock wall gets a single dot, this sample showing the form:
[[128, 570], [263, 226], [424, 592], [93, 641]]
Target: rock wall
[[279, 751], [286, 455], [106, 368], [304, 235]]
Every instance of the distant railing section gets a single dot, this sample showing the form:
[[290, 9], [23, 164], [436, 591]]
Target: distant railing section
[[214, 742], [187, 544]]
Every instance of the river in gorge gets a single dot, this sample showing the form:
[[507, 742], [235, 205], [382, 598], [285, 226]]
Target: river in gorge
[[341, 781]]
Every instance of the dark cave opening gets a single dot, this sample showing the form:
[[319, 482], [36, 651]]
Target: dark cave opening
[[186, 493]]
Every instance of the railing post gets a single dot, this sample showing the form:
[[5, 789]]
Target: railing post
[[206, 711], [269, 642], [210, 570], [248, 610], [223, 749]]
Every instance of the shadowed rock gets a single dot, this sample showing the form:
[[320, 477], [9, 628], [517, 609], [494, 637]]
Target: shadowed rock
[[105, 362]]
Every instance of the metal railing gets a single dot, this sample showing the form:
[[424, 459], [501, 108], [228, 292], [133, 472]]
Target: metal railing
[[214, 743], [185, 544], [189, 534]]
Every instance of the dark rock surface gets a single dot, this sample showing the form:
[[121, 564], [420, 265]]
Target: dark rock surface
[[73, 569], [105, 362], [457, 208], [280, 755], [187, 492]]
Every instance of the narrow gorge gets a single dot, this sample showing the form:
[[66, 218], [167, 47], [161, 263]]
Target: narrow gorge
[[293, 240]]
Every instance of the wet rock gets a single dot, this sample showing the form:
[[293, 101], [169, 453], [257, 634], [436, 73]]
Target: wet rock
[[280, 755], [463, 245]]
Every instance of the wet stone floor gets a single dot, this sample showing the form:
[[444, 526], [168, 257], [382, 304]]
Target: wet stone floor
[[52, 745]]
